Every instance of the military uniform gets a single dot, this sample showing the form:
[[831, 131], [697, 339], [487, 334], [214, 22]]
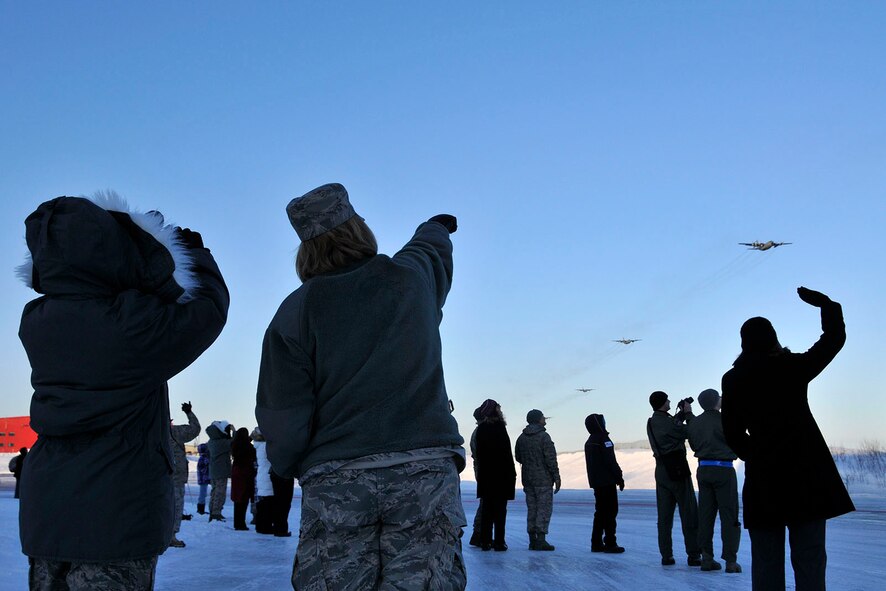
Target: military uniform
[[538, 457], [667, 433], [178, 436], [219, 468], [717, 486]]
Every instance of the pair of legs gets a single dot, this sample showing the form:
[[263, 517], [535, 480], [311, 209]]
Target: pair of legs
[[240, 515], [397, 527], [179, 507], [495, 514], [670, 494], [808, 556], [217, 496], [129, 575], [718, 493], [272, 512], [201, 498], [539, 507], [605, 511], [478, 520]]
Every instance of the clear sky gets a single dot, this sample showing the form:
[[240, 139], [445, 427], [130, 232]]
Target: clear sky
[[604, 161]]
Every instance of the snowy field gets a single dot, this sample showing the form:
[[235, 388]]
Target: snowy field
[[217, 557]]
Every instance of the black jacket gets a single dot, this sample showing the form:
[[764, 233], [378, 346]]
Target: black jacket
[[603, 469], [790, 475], [102, 342], [496, 474]]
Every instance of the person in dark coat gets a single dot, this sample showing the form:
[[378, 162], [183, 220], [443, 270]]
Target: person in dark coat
[[604, 475], [478, 516], [496, 475], [219, 444], [202, 477], [16, 465], [352, 401], [791, 480], [242, 476], [128, 302]]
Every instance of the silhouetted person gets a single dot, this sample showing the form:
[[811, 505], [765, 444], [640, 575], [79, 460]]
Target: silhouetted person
[[128, 302], [791, 480], [219, 444], [540, 475], [496, 475], [667, 435], [717, 484], [604, 475], [478, 516], [179, 435], [16, 465], [242, 476]]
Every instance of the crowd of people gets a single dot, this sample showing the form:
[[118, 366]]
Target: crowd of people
[[128, 301]]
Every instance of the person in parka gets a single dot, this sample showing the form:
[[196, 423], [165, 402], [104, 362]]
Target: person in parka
[[202, 477], [540, 473], [496, 475], [127, 303], [604, 475], [242, 476], [219, 444], [791, 480], [352, 401], [179, 435]]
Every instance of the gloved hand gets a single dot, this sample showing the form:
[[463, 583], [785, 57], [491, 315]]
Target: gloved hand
[[447, 220], [556, 486], [190, 238], [186, 407], [621, 485], [812, 297]]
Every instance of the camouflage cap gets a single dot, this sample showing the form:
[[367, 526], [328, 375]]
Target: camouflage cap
[[320, 210]]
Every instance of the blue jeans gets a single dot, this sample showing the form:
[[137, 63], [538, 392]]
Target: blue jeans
[[201, 497]]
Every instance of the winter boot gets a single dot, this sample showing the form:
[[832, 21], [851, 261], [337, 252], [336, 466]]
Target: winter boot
[[541, 543], [597, 545], [216, 517], [201, 508], [176, 543], [613, 549], [707, 565], [475, 539], [186, 516], [533, 540], [733, 567]]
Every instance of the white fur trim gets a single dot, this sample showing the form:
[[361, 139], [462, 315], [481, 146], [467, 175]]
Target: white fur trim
[[153, 224]]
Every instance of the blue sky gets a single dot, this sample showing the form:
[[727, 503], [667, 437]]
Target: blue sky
[[604, 160]]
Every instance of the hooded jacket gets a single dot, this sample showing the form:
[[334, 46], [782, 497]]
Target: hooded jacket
[[125, 307], [219, 445], [790, 475], [538, 457], [603, 469], [203, 464]]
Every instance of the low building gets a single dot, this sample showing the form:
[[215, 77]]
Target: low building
[[16, 433]]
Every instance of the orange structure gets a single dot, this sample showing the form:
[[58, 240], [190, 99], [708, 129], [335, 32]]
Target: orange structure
[[16, 433]]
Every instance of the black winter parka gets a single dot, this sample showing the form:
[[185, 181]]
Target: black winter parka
[[790, 475], [496, 474], [603, 469], [102, 342]]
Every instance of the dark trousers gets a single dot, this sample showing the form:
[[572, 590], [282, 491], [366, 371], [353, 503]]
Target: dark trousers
[[282, 502], [718, 492], [808, 557], [605, 510], [670, 494], [16, 488], [495, 513], [240, 514], [478, 520]]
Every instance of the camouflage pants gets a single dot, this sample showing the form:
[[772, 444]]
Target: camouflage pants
[[179, 506], [128, 575], [539, 506], [217, 495], [384, 528]]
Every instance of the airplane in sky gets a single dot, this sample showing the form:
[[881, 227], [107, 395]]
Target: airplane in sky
[[626, 341], [762, 245], [583, 389]]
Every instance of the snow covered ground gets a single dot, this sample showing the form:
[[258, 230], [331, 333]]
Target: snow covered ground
[[217, 557]]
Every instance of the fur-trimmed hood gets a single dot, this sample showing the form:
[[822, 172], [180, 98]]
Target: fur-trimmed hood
[[100, 247]]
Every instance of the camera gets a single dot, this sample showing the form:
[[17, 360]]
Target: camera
[[687, 400]]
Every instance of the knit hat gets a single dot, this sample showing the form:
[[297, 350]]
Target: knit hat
[[535, 416], [657, 399], [708, 399], [488, 408], [320, 210]]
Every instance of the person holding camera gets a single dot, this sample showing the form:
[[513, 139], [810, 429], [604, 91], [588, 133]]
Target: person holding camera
[[791, 480], [673, 481], [127, 302], [179, 435]]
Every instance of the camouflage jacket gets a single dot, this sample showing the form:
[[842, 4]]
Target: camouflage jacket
[[536, 453]]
